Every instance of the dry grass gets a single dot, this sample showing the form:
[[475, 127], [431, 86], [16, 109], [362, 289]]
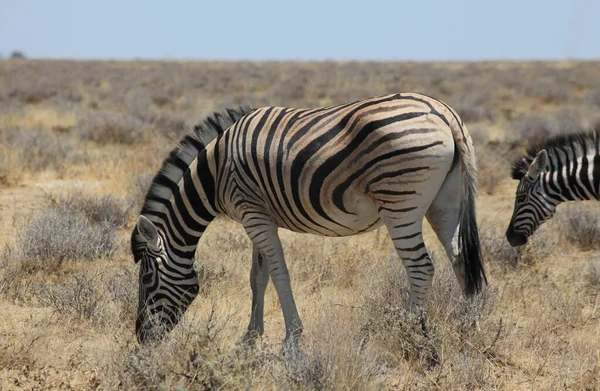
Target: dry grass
[[68, 286]]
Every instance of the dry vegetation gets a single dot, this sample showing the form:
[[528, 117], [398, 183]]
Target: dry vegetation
[[79, 142]]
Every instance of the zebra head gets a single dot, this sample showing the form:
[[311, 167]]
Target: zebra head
[[166, 287], [532, 204]]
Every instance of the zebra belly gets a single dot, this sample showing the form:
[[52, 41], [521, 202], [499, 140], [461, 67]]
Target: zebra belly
[[361, 217]]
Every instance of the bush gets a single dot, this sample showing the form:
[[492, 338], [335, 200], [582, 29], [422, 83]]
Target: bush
[[592, 97], [75, 227], [536, 129], [63, 235], [122, 290], [17, 54], [548, 92], [36, 149], [580, 225], [456, 329], [112, 128], [592, 276], [474, 105], [498, 252], [79, 297], [493, 164], [107, 210], [188, 357]]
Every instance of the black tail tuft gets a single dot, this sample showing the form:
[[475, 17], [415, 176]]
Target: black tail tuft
[[469, 244]]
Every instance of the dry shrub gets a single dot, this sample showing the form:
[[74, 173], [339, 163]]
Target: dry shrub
[[331, 359], [548, 92], [34, 150], [498, 252], [171, 127], [35, 94], [121, 287], [190, 357], [112, 128], [592, 97], [473, 106], [208, 275], [12, 284], [493, 165], [536, 129], [107, 209], [75, 227], [80, 296], [105, 299], [18, 353], [580, 224], [592, 277], [63, 235], [140, 183], [456, 329]]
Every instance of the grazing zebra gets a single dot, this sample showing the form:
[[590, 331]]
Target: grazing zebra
[[332, 171], [564, 168]]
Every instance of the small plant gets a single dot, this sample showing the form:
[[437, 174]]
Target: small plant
[[122, 290], [57, 236], [79, 297], [536, 129], [108, 209], [112, 128], [581, 225], [548, 92], [493, 166], [35, 149], [498, 252], [592, 97], [593, 274]]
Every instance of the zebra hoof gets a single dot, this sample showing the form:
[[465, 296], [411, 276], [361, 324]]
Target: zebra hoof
[[290, 348], [250, 337]]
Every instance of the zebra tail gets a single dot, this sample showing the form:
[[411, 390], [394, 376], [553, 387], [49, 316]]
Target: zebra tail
[[469, 245]]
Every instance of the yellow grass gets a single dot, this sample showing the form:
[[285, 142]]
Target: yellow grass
[[46, 117], [536, 327]]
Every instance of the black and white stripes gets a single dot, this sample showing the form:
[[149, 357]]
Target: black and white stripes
[[565, 168], [333, 171]]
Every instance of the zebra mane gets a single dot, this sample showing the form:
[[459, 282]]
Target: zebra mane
[[178, 161], [572, 142]]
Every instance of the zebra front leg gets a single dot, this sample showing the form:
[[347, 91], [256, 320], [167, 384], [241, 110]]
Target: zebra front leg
[[267, 243], [259, 279]]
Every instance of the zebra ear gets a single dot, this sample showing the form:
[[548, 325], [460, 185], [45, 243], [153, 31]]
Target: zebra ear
[[539, 164], [147, 231]]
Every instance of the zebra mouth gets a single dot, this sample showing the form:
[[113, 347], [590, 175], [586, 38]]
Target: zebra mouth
[[151, 328], [515, 239]]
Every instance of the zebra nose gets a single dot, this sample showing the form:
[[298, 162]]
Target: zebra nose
[[515, 238]]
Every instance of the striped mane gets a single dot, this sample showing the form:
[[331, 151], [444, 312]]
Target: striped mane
[[573, 142], [177, 163]]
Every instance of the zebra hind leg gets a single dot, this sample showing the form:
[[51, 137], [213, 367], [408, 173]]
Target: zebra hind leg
[[259, 279], [408, 241], [443, 216]]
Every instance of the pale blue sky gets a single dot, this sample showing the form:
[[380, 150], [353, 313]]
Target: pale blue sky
[[302, 30]]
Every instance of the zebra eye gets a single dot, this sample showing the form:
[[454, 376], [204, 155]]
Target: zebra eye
[[521, 198]]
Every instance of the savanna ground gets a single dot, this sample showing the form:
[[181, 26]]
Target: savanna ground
[[80, 142]]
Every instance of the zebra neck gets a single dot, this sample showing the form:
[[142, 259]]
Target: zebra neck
[[182, 207], [574, 180]]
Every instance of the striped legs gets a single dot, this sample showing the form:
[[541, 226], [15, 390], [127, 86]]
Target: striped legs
[[259, 279], [408, 241], [267, 244]]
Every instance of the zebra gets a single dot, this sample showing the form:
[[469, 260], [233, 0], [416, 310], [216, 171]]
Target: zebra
[[333, 171], [563, 168]]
